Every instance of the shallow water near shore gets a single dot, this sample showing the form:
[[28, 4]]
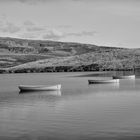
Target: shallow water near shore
[[78, 112]]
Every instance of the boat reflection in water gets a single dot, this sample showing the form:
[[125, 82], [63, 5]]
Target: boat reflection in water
[[128, 83], [53, 93], [124, 77], [108, 86]]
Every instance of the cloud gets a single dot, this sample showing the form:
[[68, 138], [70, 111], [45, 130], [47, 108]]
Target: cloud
[[29, 1], [33, 1], [28, 35], [37, 1], [57, 35], [32, 27], [28, 23], [83, 33], [45, 1], [9, 27], [30, 30], [35, 29], [64, 26], [107, 0], [53, 35]]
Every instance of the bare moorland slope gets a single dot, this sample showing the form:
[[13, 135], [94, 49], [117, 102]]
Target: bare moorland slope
[[22, 55]]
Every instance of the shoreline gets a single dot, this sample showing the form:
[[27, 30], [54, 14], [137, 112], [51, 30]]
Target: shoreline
[[60, 69]]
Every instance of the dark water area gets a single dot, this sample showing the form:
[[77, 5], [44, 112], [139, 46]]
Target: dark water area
[[78, 112]]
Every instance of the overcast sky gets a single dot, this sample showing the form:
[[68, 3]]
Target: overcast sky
[[101, 22]]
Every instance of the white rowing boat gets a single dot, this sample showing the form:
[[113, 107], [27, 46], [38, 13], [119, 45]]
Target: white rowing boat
[[124, 77], [39, 88], [103, 81]]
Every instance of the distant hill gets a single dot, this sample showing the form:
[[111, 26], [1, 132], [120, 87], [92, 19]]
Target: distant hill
[[22, 55]]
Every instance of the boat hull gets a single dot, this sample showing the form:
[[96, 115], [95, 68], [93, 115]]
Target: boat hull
[[39, 88], [103, 81], [124, 77]]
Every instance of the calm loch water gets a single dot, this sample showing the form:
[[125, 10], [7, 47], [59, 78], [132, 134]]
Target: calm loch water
[[78, 112]]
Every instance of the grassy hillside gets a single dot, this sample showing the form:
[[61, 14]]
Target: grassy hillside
[[20, 55]]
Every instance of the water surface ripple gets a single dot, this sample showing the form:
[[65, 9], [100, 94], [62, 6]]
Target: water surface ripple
[[78, 112]]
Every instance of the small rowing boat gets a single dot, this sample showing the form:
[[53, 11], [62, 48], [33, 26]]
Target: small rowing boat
[[39, 88], [43, 93], [124, 77], [103, 81]]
